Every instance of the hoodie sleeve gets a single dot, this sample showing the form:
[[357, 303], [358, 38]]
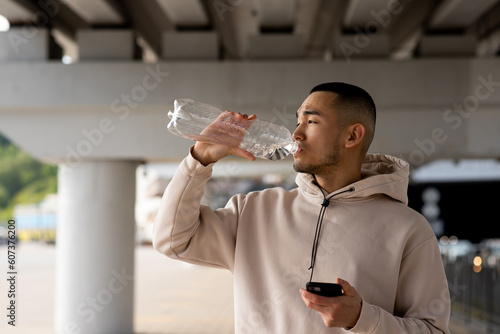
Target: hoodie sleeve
[[423, 301], [188, 231]]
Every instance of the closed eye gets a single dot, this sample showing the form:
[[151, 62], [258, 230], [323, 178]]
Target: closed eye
[[308, 122]]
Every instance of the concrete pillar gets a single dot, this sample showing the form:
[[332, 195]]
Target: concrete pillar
[[95, 248]]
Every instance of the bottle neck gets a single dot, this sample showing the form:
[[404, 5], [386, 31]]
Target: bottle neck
[[293, 147]]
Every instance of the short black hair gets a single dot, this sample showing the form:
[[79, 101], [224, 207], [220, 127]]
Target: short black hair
[[355, 104], [348, 93]]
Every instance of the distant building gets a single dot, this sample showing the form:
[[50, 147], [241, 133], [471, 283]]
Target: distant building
[[37, 221]]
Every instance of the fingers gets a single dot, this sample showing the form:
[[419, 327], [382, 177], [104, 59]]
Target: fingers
[[341, 311], [223, 137], [314, 302], [238, 116], [348, 288], [315, 299], [237, 120], [243, 153], [308, 298], [312, 298]]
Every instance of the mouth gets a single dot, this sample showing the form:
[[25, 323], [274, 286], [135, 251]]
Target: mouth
[[298, 152]]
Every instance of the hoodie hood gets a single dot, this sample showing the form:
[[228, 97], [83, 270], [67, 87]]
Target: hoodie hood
[[380, 175]]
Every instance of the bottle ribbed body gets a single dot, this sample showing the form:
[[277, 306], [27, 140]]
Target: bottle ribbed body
[[263, 139]]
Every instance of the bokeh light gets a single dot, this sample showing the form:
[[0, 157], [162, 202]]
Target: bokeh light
[[4, 23]]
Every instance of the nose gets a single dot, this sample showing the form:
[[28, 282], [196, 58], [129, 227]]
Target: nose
[[298, 134]]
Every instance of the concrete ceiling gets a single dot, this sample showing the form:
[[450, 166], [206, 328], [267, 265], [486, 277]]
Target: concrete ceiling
[[308, 29]]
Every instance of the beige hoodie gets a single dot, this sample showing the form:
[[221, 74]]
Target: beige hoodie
[[370, 238]]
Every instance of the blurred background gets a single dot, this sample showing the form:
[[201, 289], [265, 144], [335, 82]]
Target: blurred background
[[85, 87]]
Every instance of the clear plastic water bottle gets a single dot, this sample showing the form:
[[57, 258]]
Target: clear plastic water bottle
[[263, 139]]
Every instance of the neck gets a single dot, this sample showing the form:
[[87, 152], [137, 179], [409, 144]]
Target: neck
[[338, 179], [331, 186]]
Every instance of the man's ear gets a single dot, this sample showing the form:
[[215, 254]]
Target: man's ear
[[356, 134]]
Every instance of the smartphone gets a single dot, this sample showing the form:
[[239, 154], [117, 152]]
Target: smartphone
[[324, 289]]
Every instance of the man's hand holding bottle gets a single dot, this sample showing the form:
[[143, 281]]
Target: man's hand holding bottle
[[232, 127]]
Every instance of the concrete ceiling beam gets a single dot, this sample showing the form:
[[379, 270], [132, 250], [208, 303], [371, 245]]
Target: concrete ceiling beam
[[149, 20]]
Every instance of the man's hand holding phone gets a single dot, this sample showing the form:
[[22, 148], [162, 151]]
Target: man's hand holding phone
[[340, 311]]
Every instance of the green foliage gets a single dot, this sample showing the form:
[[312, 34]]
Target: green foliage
[[22, 179], [4, 141]]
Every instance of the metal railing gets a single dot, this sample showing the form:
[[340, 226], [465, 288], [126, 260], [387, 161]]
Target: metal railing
[[474, 290]]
